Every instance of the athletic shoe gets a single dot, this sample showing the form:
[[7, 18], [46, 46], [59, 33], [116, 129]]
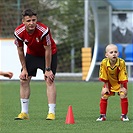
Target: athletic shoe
[[101, 118], [124, 118], [50, 116], [22, 116]]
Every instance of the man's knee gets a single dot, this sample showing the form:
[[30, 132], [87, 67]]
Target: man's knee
[[24, 82]]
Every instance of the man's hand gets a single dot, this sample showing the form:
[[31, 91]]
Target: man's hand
[[24, 75], [49, 76]]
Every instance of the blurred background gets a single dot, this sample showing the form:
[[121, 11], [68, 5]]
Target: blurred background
[[80, 28]]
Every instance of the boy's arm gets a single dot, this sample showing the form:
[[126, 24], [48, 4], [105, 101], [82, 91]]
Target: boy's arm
[[6, 74], [103, 72], [105, 89]]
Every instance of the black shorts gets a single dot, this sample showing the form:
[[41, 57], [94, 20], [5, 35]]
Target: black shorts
[[36, 62]]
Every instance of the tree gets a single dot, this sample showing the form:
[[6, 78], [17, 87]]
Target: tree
[[65, 19]]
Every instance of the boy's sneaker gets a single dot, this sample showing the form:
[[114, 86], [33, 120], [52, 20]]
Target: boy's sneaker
[[124, 118], [101, 118], [50, 116], [22, 116]]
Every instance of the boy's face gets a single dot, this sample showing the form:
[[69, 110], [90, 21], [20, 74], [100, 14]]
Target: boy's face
[[112, 53], [30, 23]]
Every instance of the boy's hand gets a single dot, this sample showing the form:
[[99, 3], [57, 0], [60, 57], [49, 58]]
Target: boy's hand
[[105, 91], [8, 74]]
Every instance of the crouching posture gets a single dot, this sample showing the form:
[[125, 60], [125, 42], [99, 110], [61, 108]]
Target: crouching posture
[[41, 54], [114, 75]]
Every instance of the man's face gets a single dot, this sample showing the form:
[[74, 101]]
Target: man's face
[[30, 23], [122, 24]]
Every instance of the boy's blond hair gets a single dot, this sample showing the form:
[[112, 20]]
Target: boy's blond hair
[[109, 46]]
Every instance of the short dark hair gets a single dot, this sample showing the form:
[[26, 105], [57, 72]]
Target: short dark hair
[[28, 12]]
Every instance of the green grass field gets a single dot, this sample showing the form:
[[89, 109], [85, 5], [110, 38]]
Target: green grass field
[[84, 98]]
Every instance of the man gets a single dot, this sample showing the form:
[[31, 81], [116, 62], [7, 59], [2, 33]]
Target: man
[[114, 75], [122, 34], [41, 53]]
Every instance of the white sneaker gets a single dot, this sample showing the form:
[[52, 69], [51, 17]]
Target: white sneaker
[[124, 118], [101, 118]]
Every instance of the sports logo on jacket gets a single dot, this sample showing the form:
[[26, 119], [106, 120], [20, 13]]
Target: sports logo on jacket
[[37, 39]]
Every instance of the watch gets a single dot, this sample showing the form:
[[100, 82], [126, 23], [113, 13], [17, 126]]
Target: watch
[[47, 68]]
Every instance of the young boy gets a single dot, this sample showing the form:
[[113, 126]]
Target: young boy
[[6, 74], [114, 75]]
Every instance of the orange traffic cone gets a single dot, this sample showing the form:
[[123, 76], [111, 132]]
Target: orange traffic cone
[[70, 116]]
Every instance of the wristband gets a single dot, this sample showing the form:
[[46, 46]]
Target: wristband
[[48, 69]]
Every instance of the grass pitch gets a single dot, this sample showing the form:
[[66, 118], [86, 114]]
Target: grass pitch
[[84, 98]]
